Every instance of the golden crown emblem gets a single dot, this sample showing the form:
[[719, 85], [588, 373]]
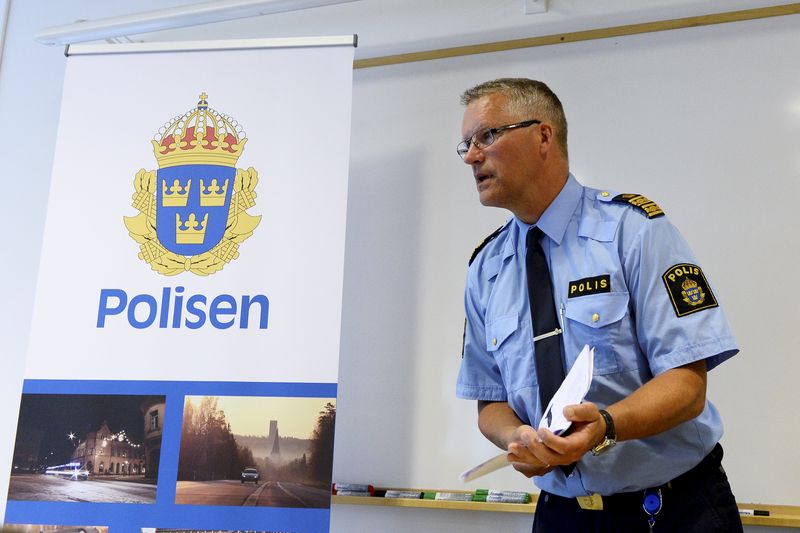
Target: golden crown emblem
[[688, 284], [189, 219], [201, 136]]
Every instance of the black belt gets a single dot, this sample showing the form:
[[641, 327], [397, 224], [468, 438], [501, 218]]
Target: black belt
[[624, 501]]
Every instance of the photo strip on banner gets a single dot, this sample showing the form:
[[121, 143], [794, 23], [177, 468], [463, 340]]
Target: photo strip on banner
[[183, 361]]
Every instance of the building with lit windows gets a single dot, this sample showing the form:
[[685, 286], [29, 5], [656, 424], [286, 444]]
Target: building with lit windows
[[102, 452]]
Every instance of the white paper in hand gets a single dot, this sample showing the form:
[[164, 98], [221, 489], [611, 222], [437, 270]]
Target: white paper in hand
[[495, 463], [572, 391]]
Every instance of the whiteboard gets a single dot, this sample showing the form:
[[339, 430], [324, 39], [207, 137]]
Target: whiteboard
[[705, 121]]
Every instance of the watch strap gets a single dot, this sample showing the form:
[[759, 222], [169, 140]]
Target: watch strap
[[610, 437], [611, 430]]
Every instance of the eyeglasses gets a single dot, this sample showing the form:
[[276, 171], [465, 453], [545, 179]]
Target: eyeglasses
[[486, 137]]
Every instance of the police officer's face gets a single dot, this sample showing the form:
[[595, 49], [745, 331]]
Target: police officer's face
[[505, 172]]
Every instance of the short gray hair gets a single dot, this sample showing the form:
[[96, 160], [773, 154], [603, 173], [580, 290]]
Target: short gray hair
[[526, 97]]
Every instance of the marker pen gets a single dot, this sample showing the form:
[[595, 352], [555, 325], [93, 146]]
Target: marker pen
[[753, 512]]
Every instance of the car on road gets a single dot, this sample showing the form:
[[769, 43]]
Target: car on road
[[73, 471], [250, 474]]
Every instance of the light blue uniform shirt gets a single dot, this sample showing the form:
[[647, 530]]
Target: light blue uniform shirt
[[635, 328]]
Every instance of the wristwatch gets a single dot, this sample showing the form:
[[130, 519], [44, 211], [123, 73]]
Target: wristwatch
[[610, 438]]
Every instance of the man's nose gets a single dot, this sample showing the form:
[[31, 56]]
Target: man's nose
[[473, 155]]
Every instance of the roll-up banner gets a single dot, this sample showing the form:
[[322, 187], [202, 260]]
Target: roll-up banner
[[183, 359]]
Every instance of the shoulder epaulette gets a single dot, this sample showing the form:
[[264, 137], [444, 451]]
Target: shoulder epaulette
[[648, 207], [486, 241]]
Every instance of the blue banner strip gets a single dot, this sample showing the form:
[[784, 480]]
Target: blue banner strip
[[190, 388], [165, 513], [130, 518]]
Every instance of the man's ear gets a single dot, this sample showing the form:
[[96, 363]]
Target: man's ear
[[546, 136]]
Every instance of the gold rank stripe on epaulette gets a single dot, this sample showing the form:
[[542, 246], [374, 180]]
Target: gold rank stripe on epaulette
[[642, 203], [482, 245]]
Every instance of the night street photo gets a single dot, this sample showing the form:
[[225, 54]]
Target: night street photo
[[87, 448]]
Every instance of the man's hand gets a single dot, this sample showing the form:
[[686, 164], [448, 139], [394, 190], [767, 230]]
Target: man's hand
[[587, 430], [498, 422], [665, 401], [521, 457]]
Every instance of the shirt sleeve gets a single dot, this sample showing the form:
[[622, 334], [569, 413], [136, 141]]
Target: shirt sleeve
[[479, 377], [678, 317]]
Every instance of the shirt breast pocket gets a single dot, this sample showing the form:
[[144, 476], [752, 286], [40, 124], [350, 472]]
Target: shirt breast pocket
[[512, 350], [597, 320], [498, 330]]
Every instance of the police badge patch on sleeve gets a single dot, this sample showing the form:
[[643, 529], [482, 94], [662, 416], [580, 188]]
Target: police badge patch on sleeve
[[688, 289]]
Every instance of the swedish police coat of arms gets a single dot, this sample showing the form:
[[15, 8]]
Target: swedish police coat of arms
[[193, 209]]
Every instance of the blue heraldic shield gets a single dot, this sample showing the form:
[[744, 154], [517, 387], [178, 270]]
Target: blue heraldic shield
[[192, 207]]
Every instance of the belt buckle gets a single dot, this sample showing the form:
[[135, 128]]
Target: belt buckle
[[593, 502]]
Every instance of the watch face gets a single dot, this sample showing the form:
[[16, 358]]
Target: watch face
[[604, 446]]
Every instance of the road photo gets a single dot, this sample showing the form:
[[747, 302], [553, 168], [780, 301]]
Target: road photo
[[256, 451]]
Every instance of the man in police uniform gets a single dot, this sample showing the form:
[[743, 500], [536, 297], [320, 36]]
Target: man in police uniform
[[624, 282]]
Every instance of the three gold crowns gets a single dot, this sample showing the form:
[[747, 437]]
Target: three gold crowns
[[191, 231]]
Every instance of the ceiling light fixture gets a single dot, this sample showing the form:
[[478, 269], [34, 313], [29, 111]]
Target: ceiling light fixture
[[166, 19]]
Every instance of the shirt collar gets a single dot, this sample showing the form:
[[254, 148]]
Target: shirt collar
[[556, 217]]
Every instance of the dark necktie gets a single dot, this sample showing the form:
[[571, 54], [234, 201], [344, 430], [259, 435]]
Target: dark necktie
[[547, 350]]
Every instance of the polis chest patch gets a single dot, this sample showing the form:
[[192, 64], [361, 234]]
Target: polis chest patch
[[587, 286], [688, 289]]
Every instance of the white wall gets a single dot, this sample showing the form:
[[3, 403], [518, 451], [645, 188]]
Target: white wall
[[705, 120], [709, 113]]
